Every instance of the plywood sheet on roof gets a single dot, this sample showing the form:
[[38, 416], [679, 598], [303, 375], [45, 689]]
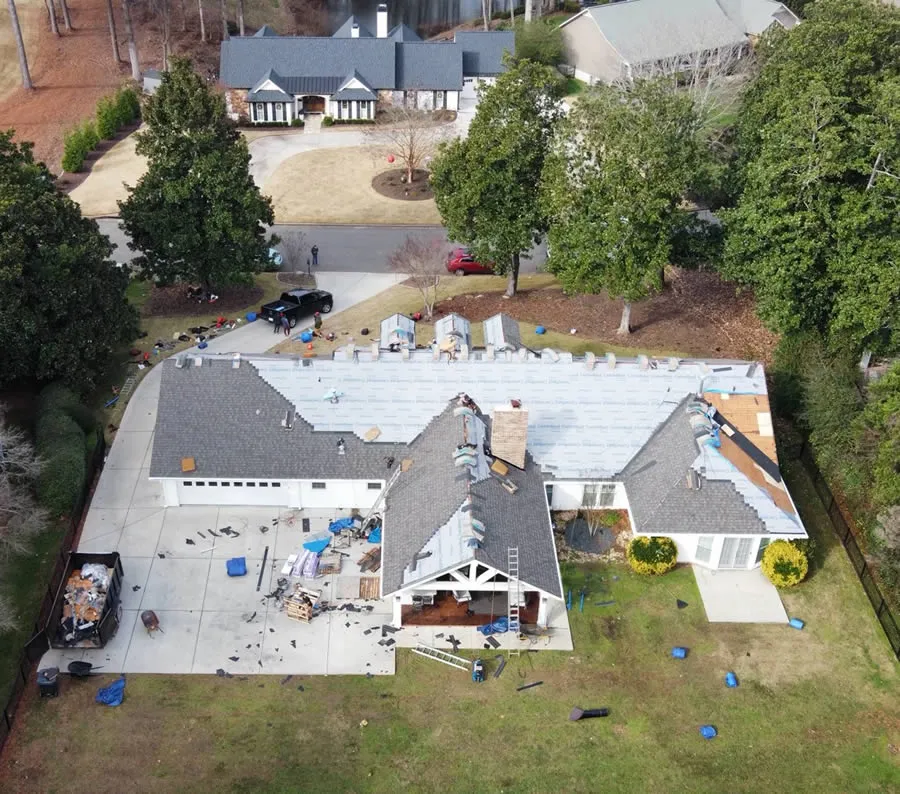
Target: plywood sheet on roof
[[742, 461], [509, 435], [742, 410]]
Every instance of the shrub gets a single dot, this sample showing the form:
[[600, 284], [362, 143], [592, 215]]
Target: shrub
[[327, 121], [350, 121], [571, 6], [652, 555], [74, 150], [62, 479], [129, 105], [297, 123], [538, 42], [57, 397], [784, 564], [89, 136], [107, 117]]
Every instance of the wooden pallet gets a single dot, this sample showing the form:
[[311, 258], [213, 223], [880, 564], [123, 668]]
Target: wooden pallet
[[370, 562], [301, 604], [368, 587]]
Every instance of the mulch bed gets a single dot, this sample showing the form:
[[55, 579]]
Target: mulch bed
[[171, 301], [697, 314], [392, 184]]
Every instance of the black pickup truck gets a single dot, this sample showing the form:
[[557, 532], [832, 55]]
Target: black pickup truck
[[297, 303]]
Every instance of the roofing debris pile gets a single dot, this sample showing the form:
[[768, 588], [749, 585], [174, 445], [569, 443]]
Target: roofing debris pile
[[84, 600]]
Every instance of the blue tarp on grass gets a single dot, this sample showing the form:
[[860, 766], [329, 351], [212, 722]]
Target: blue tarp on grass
[[112, 695]]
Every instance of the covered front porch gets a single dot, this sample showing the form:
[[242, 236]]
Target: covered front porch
[[445, 608]]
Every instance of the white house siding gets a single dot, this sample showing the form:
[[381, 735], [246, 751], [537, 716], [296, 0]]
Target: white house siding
[[568, 495], [690, 552], [588, 51], [279, 493], [453, 100]]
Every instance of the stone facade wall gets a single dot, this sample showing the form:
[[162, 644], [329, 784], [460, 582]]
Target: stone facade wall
[[236, 103]]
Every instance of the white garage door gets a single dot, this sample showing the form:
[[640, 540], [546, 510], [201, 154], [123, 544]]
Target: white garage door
[[469, 87], [269, 493]]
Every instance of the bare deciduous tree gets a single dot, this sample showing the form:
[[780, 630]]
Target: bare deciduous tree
[[225, 35], [240, 10], [163, 10], [132, 45], [202, 21], [51, 12], [20, 45], [487, 11], [424, 263], [183, 16], [715, 79], [114, 39], [411, 134], [294, 249]]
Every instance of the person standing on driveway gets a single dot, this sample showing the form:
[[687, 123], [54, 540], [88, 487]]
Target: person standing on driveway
[[276, 326], [285, 323], [315, 252], [317, 324]]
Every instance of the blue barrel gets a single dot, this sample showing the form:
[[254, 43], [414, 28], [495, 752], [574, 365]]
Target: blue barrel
[[679, 653], [796, 623], [306, 336], [730, 680], [708, 732], [251, 317], [540, 330]]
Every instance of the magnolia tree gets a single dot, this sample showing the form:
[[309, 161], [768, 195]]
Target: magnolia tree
[[423, 262], [411, 134]]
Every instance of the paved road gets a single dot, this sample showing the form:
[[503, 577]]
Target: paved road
[[348, 249]]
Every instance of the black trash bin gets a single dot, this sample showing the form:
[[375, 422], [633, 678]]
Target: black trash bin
[[48, 682]]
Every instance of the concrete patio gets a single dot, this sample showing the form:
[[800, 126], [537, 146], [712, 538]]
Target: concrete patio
[[739, 596]]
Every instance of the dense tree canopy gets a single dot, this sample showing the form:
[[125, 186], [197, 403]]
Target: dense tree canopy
[[816, 231], [486, 185], [539, 41], [196, 215], [618, 169], [62, 301]]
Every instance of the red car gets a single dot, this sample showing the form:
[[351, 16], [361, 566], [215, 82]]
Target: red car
[[461, 263]]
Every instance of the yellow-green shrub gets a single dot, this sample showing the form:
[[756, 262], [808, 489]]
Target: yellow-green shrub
[[653, 555], [784, 564]]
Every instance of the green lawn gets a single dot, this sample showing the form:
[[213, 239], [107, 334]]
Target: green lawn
[[817, 710]]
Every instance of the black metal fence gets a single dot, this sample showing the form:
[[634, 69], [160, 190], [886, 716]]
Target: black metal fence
[[36, 646], [848, 540]]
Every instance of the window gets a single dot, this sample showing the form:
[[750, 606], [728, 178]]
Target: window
[[239, 485], [225, 484], [212, 484], [599, 494], [364, 110], [276, 484], [188, 483], [318, 486], [264, 485], [251, 484], [373, 486], [344, 110], [704, 548], [548, 489], [762, 547], [200, 482], [279, 111], [440, 100]]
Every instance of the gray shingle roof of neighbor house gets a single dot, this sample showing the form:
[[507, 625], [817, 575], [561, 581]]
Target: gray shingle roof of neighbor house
[[404, 33], [425, 500], [429, 65], [345, 31], [360, 94], [269, 96], [265, 31], [244, 60], [483, 51], [650, 30], [754, 17]]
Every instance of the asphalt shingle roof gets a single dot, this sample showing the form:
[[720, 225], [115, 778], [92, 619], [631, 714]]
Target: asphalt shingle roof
[[483, 51], [404, 33], [650, 30], [345, 31], [355, 93], [429, 65], [269, 96], [244, 60]]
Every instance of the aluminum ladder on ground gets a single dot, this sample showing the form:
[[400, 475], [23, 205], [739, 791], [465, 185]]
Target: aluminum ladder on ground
[[512, 599], [127, 387], [442, 656]]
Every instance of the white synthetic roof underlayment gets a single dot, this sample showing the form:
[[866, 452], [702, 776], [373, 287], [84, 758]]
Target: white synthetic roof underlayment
[[582, 423]]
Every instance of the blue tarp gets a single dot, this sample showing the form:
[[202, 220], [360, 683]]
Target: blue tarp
[[318, 546], [499, 626], [340, 524], [113, 694], [375, 535]]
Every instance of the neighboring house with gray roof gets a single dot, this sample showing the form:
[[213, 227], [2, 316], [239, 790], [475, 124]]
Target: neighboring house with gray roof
[[619, 41], [466, 451], [353, 73]]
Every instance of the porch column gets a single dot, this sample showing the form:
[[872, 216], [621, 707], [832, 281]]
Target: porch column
[[542, 612], [396, 620]]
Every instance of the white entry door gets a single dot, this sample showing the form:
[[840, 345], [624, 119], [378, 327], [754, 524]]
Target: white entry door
[[736, 552]]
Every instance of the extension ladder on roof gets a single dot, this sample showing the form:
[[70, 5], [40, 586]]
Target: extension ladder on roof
[[378, 503], [512, 599], [442, 656]]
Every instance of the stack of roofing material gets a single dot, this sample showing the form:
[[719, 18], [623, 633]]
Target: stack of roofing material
[[453, 332], [502, 333], [398, 332]]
